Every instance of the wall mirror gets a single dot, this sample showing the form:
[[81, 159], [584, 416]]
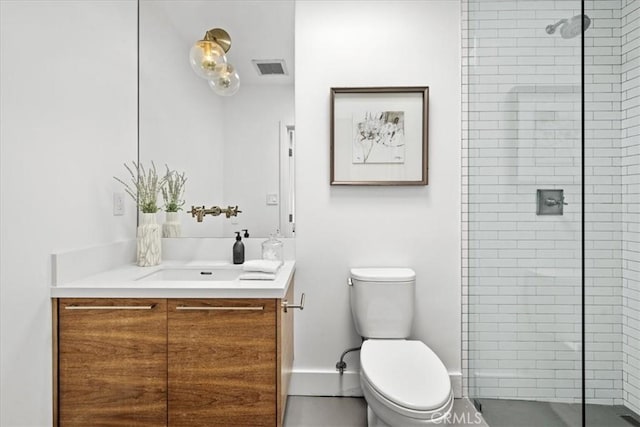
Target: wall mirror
[[235, 150]]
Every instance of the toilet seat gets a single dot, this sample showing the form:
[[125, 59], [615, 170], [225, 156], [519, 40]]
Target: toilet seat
[[406, 374], [395, 415]]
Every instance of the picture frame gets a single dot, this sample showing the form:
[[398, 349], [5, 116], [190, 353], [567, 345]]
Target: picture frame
[[379, 135]]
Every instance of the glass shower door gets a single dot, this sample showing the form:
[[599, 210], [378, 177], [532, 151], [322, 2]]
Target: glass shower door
[[523, 190]]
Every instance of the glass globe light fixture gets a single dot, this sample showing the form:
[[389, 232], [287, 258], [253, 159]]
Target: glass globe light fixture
[[205, 56], [208, 53], [226, 81]]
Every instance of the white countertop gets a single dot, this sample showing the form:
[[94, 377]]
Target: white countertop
[[124, 282]]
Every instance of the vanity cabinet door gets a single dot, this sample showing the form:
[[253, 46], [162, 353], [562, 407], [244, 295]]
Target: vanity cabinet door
[[222, 362], [284, 352], [112, 362]]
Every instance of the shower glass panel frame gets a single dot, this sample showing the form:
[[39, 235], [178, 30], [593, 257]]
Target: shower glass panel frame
[[551, 124], [523, 132]]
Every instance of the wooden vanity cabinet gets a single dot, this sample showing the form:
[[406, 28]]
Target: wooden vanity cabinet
[[175, 362]]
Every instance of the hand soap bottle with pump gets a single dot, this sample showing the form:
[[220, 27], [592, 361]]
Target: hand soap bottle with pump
[[272, 248], [238, 248]]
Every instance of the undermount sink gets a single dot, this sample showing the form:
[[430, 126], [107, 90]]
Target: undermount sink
[[193, 274]]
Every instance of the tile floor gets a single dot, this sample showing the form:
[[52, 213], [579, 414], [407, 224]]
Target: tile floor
[[307, 411], [523, 413]]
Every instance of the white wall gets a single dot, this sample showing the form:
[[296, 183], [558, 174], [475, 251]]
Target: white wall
[[68, 113], [372, 43]]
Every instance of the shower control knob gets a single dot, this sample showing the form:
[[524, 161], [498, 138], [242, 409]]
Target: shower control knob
[[554, 202]]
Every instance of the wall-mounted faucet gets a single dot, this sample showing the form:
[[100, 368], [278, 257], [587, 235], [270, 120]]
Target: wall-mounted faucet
[[201, 212]]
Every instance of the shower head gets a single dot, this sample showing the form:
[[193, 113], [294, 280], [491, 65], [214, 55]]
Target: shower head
[[570, 28], [575, 26]]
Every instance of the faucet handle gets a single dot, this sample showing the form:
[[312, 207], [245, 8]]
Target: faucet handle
[[231, 211], [555, 202], [198, 212]]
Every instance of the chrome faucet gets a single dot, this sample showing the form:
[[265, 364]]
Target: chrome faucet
[[200, 212]]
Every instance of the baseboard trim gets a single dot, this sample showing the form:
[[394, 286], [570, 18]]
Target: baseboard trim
[[456, 384], [331, 383], [324, 383]]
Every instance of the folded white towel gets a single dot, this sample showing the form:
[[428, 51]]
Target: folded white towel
[[262, 265], [257, 276]]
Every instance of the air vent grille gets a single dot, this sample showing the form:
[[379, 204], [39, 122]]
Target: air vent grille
[[275, 67]]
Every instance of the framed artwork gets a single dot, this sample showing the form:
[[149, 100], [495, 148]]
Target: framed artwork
[[379, 136]]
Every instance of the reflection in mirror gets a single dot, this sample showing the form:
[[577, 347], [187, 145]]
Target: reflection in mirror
[[235, 150]]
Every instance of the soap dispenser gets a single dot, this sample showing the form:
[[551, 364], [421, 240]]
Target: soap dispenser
[[238, 250]]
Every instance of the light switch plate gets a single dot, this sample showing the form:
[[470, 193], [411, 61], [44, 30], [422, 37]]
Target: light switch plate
[[118, 204], [272, 199]]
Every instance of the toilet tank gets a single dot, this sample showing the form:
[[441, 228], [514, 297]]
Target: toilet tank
[[382, 301]]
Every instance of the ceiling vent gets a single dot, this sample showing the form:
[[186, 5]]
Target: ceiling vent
[[270, 67]]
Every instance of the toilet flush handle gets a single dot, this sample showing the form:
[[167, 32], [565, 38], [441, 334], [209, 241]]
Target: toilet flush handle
[[349, 281]]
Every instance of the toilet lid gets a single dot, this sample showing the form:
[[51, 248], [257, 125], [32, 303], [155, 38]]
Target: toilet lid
[[407, 373]]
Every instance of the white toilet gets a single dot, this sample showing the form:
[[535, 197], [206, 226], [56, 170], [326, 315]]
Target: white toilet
[[404, 383]]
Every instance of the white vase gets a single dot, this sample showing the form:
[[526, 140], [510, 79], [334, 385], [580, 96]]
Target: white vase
[[149, 242], [171, 226]]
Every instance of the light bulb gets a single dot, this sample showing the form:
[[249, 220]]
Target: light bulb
[[204, 57], [226, 82]]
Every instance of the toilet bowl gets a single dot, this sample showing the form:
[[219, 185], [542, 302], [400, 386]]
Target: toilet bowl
[[403, 381], [404, 384]]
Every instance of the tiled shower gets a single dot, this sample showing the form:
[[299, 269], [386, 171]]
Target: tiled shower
[[551, 110]]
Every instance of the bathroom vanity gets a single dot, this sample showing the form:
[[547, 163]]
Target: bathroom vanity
[[156, 352]]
